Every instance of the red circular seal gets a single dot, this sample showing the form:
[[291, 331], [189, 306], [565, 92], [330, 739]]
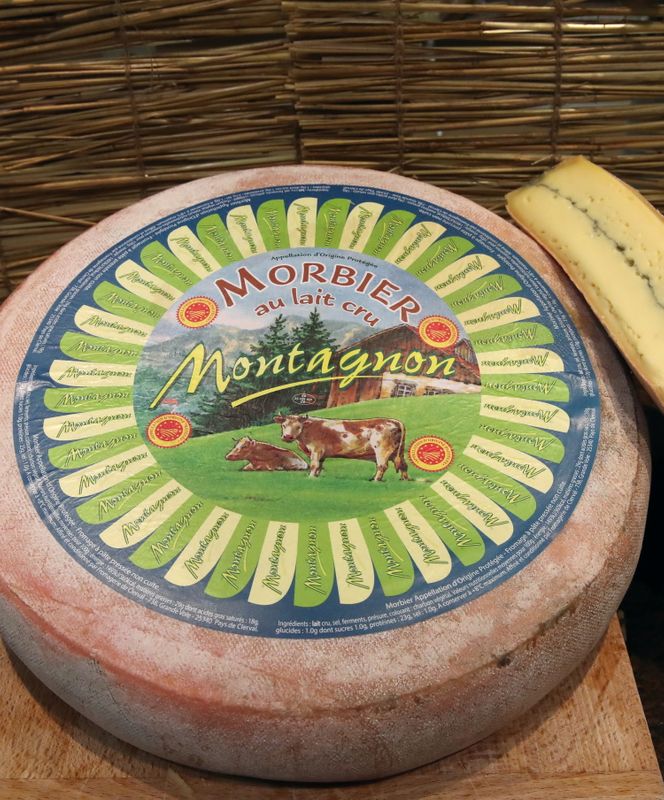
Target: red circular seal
[[438, 331], [431, 453], [169, 430], [197, 312]]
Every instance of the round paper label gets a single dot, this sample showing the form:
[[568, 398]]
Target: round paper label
[[305, 412]]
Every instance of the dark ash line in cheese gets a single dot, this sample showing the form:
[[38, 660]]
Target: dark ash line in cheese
[[597, 228]]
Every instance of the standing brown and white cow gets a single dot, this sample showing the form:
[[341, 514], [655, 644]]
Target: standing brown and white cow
[[380, 439], [264, 457]]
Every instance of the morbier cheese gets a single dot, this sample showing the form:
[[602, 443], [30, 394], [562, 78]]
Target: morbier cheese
[[610, 241], [166, 569]]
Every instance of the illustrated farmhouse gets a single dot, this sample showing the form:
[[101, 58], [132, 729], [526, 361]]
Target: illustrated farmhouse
[[404, 339]]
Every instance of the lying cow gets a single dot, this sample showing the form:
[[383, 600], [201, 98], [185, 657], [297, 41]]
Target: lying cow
[[381, 440], [264, 457]]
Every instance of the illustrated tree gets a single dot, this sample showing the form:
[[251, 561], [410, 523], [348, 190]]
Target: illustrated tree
[[216, 411], [313, 336]]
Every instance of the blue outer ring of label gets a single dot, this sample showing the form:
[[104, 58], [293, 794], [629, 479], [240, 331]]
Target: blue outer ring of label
[[581, 440]]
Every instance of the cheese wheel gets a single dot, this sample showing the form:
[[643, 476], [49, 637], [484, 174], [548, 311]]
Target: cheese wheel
[[310, 474]]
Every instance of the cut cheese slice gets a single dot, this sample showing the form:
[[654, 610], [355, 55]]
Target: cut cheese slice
[[610, 241]]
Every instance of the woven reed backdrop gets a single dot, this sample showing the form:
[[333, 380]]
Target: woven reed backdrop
[[106, 101]]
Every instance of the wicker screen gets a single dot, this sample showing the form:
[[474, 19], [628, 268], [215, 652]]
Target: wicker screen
[[106, 101]]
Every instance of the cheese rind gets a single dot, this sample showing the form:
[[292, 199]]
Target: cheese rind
[[610, 241]]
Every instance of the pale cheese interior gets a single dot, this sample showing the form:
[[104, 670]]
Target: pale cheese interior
[[611, 242]]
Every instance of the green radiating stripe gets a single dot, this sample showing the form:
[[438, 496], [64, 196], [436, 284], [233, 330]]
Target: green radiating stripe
[[503, 490], [440, 255], [70, 400], [536, 441], [390, 557], [314, 571], [84, 452], [271, 219], [330, 222], [94, 348], [115, 502], [214, 234], [172, 536], [126, 304], [239, 560], [389, 229], [460, 537], [516, 334], [481, 291], [162, 263], [532, 387]]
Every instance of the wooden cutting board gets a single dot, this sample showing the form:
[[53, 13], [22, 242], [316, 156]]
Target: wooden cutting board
[[588, 739]]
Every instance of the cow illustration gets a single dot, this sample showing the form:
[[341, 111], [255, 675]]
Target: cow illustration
[[264, 457], [379, 439]]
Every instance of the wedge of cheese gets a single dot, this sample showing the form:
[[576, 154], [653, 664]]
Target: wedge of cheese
[[610, 241]]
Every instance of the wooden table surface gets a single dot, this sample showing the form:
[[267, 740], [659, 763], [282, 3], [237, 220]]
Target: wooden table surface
[[588, 739]]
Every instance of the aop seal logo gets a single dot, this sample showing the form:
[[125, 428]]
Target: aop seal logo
[[197, 312], [438, 331], [431, 453], [169, 430]]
